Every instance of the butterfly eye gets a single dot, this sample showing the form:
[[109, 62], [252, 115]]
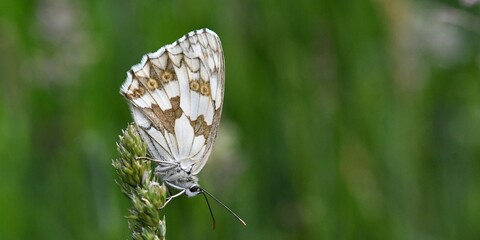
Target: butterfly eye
[[194, 189]]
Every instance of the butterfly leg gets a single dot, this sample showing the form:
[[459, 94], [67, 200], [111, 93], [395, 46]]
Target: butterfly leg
[[172, 197], [154, 160]]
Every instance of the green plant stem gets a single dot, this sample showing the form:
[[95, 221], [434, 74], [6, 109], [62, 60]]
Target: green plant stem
[[138, 183]]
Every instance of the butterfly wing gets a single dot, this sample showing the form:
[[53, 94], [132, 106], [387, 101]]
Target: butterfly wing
[[176, 96]]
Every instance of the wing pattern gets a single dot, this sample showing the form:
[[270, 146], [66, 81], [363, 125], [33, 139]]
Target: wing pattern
[[176, 96]]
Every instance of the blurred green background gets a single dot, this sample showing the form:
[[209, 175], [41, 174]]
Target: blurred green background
[[342, 119]]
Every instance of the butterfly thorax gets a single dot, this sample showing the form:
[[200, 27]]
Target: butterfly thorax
[[177, 177]]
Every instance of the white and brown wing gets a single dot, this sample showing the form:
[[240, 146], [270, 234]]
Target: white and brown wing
[[176, 96]]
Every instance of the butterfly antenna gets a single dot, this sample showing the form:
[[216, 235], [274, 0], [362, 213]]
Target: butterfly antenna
[[223, 205], [209, 209]]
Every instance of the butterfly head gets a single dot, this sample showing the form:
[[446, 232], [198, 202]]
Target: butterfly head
[[194, 190]]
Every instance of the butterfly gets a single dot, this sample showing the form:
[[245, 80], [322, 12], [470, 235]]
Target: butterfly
[[175, 95]]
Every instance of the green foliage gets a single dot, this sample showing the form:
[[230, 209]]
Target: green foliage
[[341, 119]]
